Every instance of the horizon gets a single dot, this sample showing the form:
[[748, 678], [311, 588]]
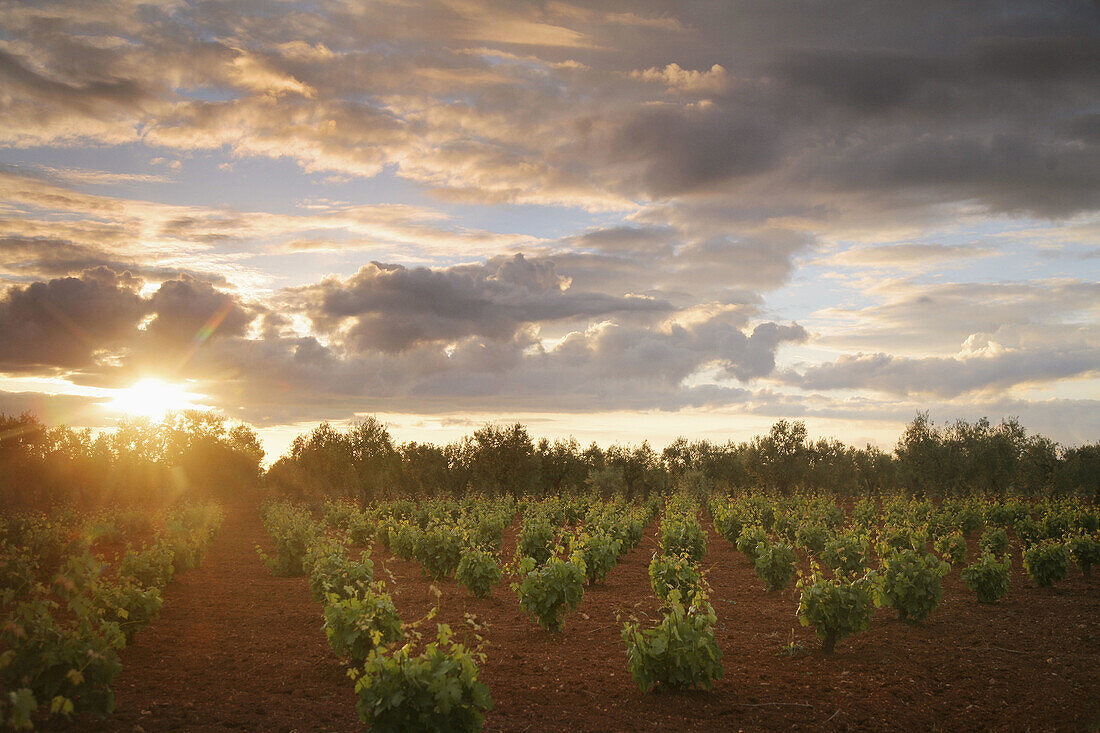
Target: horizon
[[620, 222]]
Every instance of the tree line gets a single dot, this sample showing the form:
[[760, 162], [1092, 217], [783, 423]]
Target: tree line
[[200, 453], [957, 458], [192, 453]]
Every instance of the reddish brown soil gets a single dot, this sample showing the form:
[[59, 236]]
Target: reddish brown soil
[[236, 648]]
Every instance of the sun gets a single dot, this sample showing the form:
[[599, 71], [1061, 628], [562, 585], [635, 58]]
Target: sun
[[152, 398]]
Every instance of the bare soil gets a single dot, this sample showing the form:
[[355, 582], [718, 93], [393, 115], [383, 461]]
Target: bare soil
[[238, 649]]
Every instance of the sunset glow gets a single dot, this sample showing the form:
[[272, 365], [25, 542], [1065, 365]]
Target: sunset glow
[[152, 398]]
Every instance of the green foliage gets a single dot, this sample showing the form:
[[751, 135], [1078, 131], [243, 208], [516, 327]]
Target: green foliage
[[680, 651], [600, 553], [152, 567], [994, 540], [1028, 531], [896, 537], [952, 547], [775, 564], [682, 534], [293, 532], [727, 520], [129, 605], [478, 571], [751, 537], [846, 553], [439, 551], [437, 690], [668, 574], [403, 540], [835, 607], [331, 572], [1046, 562], [988, 577], [356, 625], [1085, 550], [69, 658], [536, 538], [968, 518], [549, 591], [361, 530], [912, 583], [865, 513], [17, 707], [811, 536]]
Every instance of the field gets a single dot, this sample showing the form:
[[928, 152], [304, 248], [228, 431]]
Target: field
[[238, 647]]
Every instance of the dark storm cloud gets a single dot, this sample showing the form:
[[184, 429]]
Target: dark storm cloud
[[94, 322], [680, 151], [391, 307], [610, 367], [63, 323], [184, 307]]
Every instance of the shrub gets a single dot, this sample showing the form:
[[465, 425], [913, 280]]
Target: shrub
[[151, 567], [355, 626], [667, 574], [811, 535], [1085, 550], [894, 537], [952, 547], [437, 690], [293, 532], [129, 605], [988, 577], [994, 540], [678, 652], [750, 538], [728, 522], [600, 553], [846, 554], [439, 550], [403, 539], [361, 530], [682, 534], [912, 583], [69, 662], [1028, 531], [775, 564], [536, 538], [478, 571], [1046, 562], [864, 513], [835, 607], [549, 591], [969, 519], [331, 572]]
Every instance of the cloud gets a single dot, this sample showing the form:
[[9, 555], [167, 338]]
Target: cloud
[[720, 170], [950, 376], [916, 318], [391, 307], [676, 79], [186, 309], [65, 322]]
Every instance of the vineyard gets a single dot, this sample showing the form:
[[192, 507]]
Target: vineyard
[[563, 612]]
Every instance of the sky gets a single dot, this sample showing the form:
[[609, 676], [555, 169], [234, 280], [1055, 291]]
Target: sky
[[614, 220]]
